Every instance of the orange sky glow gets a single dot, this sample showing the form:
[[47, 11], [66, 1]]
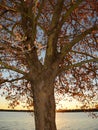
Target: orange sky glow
[[61, 105]]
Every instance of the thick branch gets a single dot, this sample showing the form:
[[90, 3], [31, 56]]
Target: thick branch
[[77, 65], [56, 27], [29, 26], [8, 8], [7, 46], [83, 53], [67, 48], [12, 68], [71, 9], [10, 81], [53, 36]]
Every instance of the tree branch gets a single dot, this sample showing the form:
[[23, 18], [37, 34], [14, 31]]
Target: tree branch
[[51, 51], [7, 45], [10, 81], [56, 27], [7, 8], [67, 48], [71, 9], [51, 3], [77, 64], [40, 9], [44, 30], [5, 11], [6, 29], [83, 53], [12, 68]]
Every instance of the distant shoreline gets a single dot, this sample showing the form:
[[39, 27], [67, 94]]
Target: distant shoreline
[[74, 110], [79, 110]]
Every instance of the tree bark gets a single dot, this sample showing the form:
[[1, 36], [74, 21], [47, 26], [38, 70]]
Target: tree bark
[[44, 106]]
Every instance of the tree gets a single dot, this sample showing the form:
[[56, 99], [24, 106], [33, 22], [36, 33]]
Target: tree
[[44, 45]]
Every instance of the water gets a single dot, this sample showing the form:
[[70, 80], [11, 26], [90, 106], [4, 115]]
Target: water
[[65, 121]]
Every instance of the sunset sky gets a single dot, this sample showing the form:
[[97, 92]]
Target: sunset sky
[[4, 104], [62, 104]]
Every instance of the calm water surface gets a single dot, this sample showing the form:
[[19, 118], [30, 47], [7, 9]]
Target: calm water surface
[[65, 121]]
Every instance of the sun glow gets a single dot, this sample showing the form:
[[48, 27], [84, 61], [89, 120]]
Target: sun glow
[[68, 105], [63, 104], [4, 104]]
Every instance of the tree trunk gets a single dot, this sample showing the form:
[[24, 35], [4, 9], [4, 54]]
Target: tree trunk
[[44, 106]]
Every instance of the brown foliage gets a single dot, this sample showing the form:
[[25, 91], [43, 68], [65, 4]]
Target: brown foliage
[[64, 31]]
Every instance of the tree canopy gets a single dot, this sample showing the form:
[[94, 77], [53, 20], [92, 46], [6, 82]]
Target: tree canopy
[[61, 35], [40, 39]]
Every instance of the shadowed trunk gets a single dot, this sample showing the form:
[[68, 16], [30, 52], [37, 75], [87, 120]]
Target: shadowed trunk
[[44, 106]]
